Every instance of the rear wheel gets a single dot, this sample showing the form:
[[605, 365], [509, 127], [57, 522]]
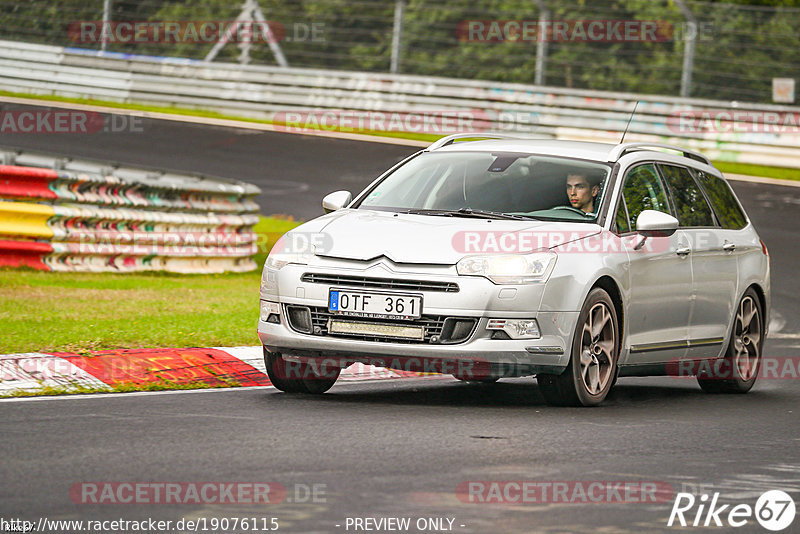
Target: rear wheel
[[738, 370], [593, 363], [296, 377]]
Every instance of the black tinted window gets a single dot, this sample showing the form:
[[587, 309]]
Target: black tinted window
[[690, 204], [726, 207], [643, 191]]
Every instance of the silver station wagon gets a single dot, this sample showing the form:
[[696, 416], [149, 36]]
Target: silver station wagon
[[488, 257]]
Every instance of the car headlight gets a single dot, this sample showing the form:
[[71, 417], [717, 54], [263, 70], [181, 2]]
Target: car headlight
[[270, 312], [509, 268], [277, 261]]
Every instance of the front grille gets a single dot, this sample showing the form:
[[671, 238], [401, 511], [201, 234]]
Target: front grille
[[433, 325], [379, 283]]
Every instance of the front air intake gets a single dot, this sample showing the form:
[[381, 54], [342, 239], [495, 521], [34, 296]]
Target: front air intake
[[456, 329], [299, 318]]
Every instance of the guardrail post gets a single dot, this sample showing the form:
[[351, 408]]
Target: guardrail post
[[397, 36], [541, 43], [106, 22], [690, 39]]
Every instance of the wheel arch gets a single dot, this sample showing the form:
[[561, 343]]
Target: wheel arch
[[762, 299], [610, 286]]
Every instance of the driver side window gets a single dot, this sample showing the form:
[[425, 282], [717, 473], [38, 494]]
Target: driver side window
[[643, 191]]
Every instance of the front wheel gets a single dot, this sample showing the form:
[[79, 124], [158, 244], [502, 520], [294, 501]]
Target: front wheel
[[295, 377], [742, 360], [593, 362]]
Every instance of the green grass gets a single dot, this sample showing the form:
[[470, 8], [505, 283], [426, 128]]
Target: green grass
[[780, 173], [80, 312]]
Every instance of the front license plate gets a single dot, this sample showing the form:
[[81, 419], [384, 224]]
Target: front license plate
[[378, 305], [354, 328]]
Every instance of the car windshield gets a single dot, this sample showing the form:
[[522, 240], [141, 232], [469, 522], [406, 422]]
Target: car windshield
[[500, 184]]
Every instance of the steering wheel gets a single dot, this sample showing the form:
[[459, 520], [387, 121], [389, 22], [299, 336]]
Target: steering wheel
[[570, 208]]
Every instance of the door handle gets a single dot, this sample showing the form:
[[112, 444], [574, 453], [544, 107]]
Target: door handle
[[728, 247], [683, 251]]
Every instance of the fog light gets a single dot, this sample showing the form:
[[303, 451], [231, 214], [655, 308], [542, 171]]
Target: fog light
[[516, 328], [269, 308]]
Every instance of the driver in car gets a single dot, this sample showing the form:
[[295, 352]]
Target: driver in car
[[582, 190]]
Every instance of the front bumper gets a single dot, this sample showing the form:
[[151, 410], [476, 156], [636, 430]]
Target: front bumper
[[476, 298], [548, 354]]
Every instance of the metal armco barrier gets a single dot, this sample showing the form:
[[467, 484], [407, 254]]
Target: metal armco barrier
[[743, 132], [70, 215]]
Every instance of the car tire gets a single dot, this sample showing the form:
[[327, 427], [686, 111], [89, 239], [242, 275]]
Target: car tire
[[301, 378], [742, 359], [592, 367], [317, 384], [276, 371]]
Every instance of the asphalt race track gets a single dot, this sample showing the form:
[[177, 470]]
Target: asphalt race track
[[401, 448], [291, 170]]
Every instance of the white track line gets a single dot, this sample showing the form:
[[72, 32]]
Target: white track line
[[120, 394]]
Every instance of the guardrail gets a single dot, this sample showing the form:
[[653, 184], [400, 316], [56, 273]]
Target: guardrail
[[74, 215], [727, 131]]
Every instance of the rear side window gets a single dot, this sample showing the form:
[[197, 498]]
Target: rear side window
[[690, 204], [643, 191], [726, 207]]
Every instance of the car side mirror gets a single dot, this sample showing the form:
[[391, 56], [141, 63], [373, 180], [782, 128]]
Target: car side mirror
[[652, 223], [336, 201]]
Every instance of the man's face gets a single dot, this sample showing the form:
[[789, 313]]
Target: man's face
[[581, 194]]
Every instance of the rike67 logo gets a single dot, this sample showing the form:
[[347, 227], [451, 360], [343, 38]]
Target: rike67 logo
[[774, 510]]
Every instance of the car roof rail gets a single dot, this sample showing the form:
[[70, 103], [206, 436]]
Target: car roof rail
[[450, 139], [621, 150]]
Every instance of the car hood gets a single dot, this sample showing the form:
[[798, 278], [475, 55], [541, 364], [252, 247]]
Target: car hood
[[403, 238]]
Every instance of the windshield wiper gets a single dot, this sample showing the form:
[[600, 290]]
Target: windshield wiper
[[468, 212], [420, 211]]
